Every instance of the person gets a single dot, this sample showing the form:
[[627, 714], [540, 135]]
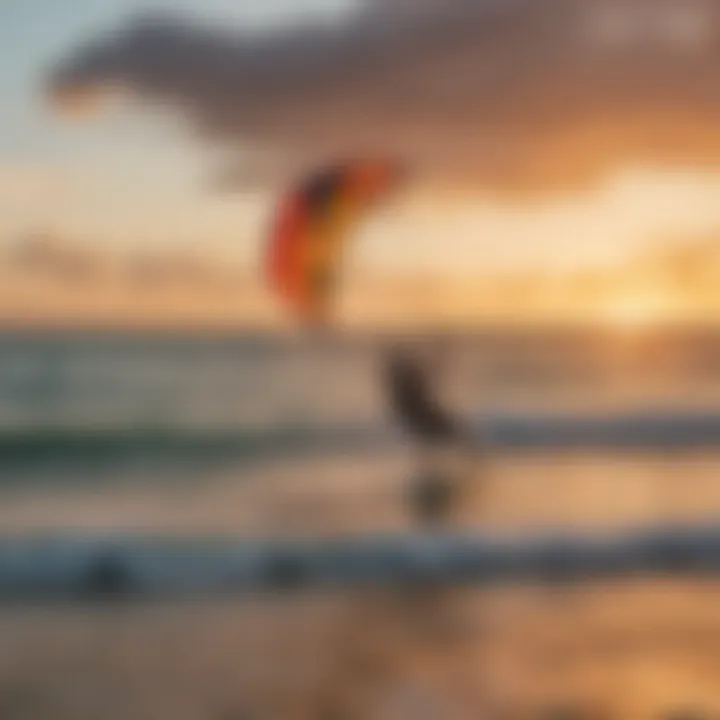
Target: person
[[414, 402], [411, 388]]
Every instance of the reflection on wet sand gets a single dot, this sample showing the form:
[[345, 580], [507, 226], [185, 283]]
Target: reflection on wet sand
[[633, 650]]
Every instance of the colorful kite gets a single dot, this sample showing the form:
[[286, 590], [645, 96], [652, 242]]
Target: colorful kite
[[312, 227]]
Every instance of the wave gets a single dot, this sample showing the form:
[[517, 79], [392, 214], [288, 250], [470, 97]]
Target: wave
[[634, 430], [113, 447], [116, 447]]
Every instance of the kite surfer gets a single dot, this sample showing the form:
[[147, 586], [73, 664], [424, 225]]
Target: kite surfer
[[412, 394]]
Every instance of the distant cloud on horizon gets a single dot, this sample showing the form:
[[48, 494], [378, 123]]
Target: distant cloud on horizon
[[514, 95]]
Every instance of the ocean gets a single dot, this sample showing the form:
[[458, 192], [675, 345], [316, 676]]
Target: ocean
[[268, 435], [177, 430]]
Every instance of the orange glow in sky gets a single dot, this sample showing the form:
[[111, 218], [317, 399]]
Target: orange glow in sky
[[636, 310]]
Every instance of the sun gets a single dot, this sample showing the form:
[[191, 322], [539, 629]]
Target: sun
[[635, 310]]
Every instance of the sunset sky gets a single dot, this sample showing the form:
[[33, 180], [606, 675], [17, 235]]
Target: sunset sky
[[139, 175], [132, 176]]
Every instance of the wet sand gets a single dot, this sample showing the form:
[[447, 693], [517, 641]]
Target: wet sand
[[633, 651]]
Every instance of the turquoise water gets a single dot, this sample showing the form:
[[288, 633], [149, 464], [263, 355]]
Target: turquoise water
[[99, 407], [102, 404], [252, 433]]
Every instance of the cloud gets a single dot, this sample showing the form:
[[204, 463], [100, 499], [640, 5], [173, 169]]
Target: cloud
[[514, 95]]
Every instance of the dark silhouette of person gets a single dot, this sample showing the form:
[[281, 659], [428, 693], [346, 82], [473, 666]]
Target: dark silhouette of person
[[411, 391], [414, 402]]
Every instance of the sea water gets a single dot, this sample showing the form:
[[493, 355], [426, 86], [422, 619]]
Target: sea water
[[271, 432]]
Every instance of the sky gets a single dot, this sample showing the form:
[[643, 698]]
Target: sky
[[132, 176], [138, 174]]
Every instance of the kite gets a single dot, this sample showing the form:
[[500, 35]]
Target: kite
[[312, 227]]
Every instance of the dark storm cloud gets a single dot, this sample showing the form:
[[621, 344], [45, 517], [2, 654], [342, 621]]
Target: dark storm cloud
[[516, 94]]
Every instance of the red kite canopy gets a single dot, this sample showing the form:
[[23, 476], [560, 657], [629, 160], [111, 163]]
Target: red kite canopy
[[312, 226]]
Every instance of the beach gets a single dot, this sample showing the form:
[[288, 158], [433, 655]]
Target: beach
[[508, 652]]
